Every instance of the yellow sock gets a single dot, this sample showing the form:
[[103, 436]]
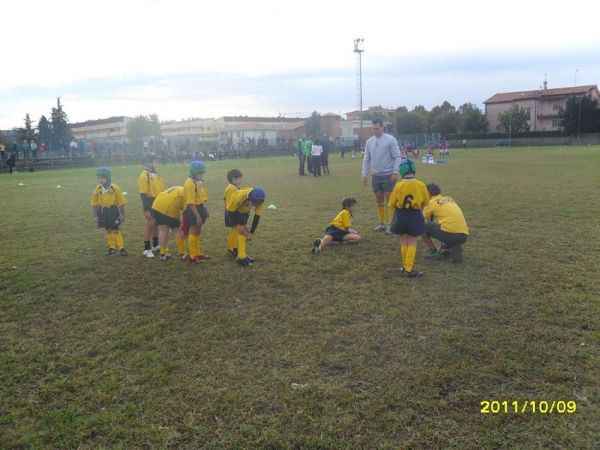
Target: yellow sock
[[232, 239], [163, 251], [403, 253], [381, 214], [241, 247], [180, 243], [199, 246], [110, 240], [411, 252], [194, 246], [119, 240]]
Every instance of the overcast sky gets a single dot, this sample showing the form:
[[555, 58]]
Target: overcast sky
[[190, 58]]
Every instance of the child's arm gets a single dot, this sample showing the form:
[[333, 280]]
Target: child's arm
[[122, 213], [95, 213]]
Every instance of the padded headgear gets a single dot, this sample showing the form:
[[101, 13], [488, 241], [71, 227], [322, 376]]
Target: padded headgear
[[104, 172], [257, 195], [197, 168], [407, 166]]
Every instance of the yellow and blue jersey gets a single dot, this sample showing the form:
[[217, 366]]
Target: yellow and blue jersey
[[239, 202], [447, 213], [343, 220], [150, 183], [195, 193], [409, 194], [170, 202], [105, 198]]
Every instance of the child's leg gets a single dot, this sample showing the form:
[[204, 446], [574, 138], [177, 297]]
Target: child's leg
[[194, 241], [148, 226], [242, 231], [429, 242], [119, 239], [403, 248], [352, 238], [163, 238], [411, 252], [179, 241], [110, 239], [232, 239]]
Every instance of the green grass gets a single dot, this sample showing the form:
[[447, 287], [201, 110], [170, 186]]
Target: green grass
[[103, 352]]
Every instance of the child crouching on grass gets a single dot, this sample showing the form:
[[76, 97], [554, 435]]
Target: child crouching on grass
[[339, 229], [108, 210], [239, 206]]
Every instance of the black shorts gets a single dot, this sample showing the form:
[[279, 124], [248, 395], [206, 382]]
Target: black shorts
[[191, 218], [336, 233], [450, 239], [324, 160], [163, 219], [147, 202], [238, 218], [228, 219], [382, 183], [108, 217], [408, 221]]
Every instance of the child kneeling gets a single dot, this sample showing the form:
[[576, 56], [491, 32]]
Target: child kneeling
[[339, 229]]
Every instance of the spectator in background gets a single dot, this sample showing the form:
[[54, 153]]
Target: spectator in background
[[301, 157], [316, 152], [12, 161]]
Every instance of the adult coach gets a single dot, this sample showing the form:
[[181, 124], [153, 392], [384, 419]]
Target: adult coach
[[382, 157], [446, 223]]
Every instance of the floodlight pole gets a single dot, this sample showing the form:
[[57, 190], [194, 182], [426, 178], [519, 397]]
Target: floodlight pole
[[359, 52], [579, 122]]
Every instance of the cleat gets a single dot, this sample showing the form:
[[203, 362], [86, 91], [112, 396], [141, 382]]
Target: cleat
[[432, 254], [156, 248], [196, 260], [250, 258], [111, 251], [456, 254], [232, 253], [244, 262], [185, 257], [380, 227], [402, 271], [123, 252], [414, 274], [388, 229], [204, 257], [316, 248], [148, 254], [165, 257]]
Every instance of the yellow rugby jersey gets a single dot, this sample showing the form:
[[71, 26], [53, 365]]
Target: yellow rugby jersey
[[195, 193], [239, 202], [342, 220], [229, 191], [409, 193], [447, 213], [108, 197], [150, 183], [170, 202]]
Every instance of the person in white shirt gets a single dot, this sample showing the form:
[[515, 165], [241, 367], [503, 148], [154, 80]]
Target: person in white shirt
[[316, 152]]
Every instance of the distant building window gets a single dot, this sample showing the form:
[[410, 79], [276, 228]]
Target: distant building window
[[529, 113], [557, 107], [556, 122]]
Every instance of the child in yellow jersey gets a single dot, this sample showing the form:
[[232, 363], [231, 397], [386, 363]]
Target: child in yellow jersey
[[238, 208], [150, 184], [167, 209], [234, 177], [108, 210], [406, 202], [195, 210], [339, 229]]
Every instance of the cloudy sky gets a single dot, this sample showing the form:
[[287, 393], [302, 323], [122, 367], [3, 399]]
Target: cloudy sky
[[190, 58]]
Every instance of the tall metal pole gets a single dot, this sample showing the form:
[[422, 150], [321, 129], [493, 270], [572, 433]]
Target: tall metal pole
[[579, 121], [359, 51]]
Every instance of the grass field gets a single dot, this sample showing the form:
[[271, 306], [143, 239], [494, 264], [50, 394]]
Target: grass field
[[104, 352]]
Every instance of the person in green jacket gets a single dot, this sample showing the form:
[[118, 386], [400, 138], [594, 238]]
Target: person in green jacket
[[308, 143], [301, 156]]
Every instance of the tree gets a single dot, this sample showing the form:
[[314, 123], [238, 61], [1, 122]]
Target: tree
[[581, 114], [409, 122], [471, 119], [445, 123], [143, 127], [514, 120], [27, 133], [401, 109], [313, 124], [61, 133], [44, 131]]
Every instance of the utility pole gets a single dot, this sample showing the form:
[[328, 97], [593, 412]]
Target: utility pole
[[359, 52]]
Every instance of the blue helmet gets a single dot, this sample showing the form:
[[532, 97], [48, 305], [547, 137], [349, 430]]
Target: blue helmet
[[257, 195], [104, 172], [197, 168], [407, 166]]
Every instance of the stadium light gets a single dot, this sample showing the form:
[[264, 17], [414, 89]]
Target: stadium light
[[359, 52]]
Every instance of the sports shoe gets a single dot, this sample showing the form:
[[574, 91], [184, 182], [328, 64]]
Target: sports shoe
[[457, 254], [185, 257], [148, 253], [244, 262], [165, 257], [232, 253], [111, 251], [204, 257], [250, 258], [388, 229], [380, 227], [402, 271], [432, 254], [316, 248], [156, 248], [123, 252], [196, 260], [414, 274]]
